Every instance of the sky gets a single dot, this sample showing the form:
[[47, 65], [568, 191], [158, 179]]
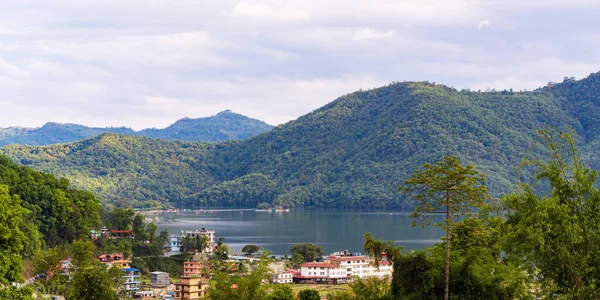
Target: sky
[[148, 63]]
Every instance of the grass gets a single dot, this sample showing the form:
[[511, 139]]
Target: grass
[[324, 289]]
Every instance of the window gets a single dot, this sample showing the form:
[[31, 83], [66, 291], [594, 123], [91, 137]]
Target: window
[[322, 268], [322, 273]]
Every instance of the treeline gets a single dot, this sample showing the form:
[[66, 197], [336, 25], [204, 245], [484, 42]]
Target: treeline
[[54, 212], [350, 153]]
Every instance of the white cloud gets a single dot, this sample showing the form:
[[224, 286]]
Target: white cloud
[[370, 34], [259, 11], [484, 24], [117, 62]]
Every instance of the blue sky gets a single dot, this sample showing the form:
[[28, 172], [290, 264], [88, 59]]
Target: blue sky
[[148, 63]]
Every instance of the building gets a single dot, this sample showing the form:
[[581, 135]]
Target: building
[[127, 233], [340, 267], [132, 280], [123, 263], [177, 239], [192, 268], [283, 277], [160, 278], [321, 272], [110, 257], [190, 287]]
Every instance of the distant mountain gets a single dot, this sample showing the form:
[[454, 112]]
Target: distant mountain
[[353, 152], [226, 125]]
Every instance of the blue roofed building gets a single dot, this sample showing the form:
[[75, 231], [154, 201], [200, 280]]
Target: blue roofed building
[[132, 280]]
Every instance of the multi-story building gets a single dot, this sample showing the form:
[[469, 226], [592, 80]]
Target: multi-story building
[[160, 278], [190, 287], [341, 267], [177, 239], [283, 277], [132, 280]]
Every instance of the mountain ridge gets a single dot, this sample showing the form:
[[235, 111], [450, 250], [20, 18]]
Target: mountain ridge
[[225, 125], [353, 152]]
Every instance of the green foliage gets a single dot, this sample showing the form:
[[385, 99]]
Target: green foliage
[[350, 153], [478, 270], [95, 281], [225, 286], [309, 294], [60, 213], [371, 288], [281, 292], [11, 238], [308, 251], [121, 219], [15, 293], [557, 234], [172, 264], [250, 249], [447, 186]]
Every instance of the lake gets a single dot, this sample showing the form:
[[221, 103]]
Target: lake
[[334, 230]]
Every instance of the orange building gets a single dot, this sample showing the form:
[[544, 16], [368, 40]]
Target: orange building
[[190, 287]]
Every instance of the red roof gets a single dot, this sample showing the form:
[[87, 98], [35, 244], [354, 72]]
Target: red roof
[[320, 265], [315, 277]]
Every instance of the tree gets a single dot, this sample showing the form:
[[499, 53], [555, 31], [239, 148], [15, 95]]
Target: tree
[[309, 294], [95, 281], [139, 227], [557, 235], [371, 288], [121, 218], [226, 286], [222, 251], [447, 186], [296, 260], [281, 292], [11, 245], [308, 251], [250, 249]]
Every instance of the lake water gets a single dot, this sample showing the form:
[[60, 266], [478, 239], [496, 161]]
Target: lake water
[[334, 230]]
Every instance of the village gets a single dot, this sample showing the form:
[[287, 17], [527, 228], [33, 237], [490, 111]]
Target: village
[[333, 269]]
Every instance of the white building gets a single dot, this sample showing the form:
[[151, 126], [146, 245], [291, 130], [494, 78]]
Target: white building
[[177, 239], [283, 277], [339, 268]]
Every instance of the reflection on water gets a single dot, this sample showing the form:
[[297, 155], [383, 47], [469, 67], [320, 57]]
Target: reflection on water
[[332, 229]]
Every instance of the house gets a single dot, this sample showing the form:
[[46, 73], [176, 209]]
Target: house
[[177, 239], [322, 272], [132, 280], [190, 287], [283, 277], [116, 233], [124, 263], [143, 295], [110, 257], [160, 278]]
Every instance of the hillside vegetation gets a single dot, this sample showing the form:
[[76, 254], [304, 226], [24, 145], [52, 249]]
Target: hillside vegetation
[[353, 152], [224, 126]]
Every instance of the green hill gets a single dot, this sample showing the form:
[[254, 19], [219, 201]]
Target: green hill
[[224, 126], [353, 152]]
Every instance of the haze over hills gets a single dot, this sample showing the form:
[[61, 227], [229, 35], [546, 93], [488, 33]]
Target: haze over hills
[[353, 152], [224, 126]]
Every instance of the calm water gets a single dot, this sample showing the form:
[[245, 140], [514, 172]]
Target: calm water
[[334, 230]]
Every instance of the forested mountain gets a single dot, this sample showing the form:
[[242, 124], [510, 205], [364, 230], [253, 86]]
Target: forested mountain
[[353, 152], [224, 126]]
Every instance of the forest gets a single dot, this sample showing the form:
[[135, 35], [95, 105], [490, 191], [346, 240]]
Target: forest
[[351, 152]]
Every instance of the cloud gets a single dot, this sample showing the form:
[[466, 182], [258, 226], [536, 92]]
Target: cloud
[[370, 34], [115, 62], [260, 11], [484, 24]]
